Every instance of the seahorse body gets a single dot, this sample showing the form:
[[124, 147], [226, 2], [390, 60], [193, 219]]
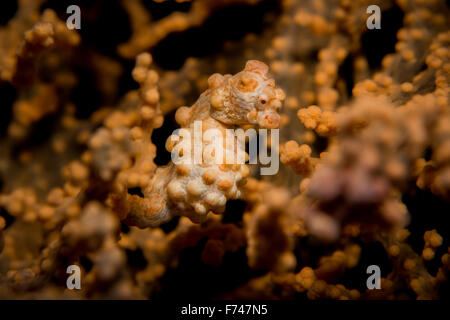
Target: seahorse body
[[192, 188]]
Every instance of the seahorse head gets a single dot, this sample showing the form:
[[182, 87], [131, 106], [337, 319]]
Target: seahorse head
[[248, 97]]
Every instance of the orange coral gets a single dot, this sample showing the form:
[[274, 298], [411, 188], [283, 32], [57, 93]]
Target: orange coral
[[364, 146]]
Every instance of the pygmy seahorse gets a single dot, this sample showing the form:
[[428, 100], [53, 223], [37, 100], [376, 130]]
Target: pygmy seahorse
[[194, 188]]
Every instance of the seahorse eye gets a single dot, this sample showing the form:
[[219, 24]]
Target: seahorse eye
[[263, 99]]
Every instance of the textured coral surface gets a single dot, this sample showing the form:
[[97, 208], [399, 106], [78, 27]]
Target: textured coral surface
[[87, 130]]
